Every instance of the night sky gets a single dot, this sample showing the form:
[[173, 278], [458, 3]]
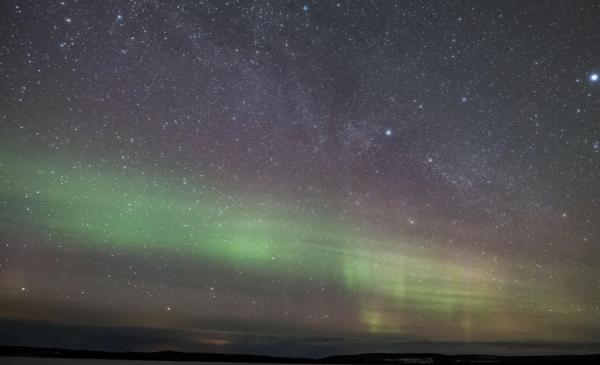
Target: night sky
[[300, 178]]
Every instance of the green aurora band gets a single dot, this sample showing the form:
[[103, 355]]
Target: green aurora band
[[137, 212]]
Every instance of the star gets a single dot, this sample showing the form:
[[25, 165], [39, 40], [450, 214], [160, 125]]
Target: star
[[252, 149]]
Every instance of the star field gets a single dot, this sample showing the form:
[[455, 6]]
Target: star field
[[300, 178]]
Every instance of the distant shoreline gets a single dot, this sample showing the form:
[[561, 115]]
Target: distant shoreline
[[371, 358]]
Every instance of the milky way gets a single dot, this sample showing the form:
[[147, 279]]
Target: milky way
[[300, 178]]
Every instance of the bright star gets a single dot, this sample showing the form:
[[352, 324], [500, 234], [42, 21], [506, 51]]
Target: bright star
[[388, 132], [305, 8], [594, 77], [464, 99], [119, 16]]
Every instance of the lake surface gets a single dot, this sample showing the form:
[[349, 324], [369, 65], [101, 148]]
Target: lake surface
[[45, 361]]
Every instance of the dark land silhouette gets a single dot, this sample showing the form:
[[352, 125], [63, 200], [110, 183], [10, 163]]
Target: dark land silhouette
[[369, 358]]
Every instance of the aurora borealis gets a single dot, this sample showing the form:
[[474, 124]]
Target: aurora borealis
[[300, 179]]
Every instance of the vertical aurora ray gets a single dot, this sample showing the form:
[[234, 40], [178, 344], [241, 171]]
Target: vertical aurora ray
[[251, 175], [398, 287]]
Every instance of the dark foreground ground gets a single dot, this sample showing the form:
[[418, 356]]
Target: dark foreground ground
[[18, 351]]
